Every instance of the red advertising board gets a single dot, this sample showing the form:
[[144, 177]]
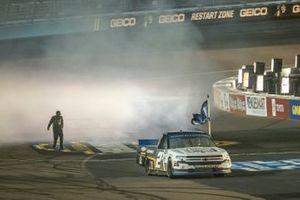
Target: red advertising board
[[237, 104], [278, 107]]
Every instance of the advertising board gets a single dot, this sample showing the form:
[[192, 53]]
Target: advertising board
[[237, 104], [294, 110], [256, 106], [200, 15], [221, 99], [295, 9], [278, 107]]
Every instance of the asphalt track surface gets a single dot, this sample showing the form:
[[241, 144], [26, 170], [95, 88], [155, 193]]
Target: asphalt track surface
[[27, 175], [258, 140]]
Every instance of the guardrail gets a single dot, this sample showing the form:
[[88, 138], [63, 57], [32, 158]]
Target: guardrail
[[230, 99]]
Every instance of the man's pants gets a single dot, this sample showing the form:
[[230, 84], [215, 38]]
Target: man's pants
[[59, 134]]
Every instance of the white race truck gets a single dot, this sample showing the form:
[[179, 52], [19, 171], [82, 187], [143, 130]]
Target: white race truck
[[183, 153]]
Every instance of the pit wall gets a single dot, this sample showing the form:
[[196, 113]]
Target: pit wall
[[229, 99]]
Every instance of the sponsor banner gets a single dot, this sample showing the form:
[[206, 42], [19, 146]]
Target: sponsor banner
[[212, 15], [123, 22], [295, 9], [172, 18], [278, 107], [245, 13], [256, 106], [225, 101], [233, 14], [237, 104], [198, 16], [294, 110], [221, 100]]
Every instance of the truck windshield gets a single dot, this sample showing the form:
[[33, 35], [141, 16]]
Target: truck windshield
[[190, 141]]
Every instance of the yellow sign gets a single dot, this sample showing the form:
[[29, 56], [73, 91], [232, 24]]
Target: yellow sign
[[296, 110]]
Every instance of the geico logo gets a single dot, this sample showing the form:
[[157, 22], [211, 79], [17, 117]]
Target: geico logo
[[296, 9], [122, 22], [163, 19], [251, 12]]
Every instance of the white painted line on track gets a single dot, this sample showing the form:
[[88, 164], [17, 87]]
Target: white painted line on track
[[114, 149], [251, 166], [267, 165], [113, 160], [265, 153]]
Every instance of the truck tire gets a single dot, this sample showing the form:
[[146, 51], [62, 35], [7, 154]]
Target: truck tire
[[170, 171], [148, 170]]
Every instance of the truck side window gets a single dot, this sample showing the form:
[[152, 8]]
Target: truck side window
[[163, 143]]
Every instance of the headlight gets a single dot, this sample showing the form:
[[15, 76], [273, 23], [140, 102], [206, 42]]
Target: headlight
[[143, 149], [226, 156], [180, 157]]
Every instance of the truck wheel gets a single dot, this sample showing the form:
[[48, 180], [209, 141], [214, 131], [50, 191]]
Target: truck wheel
[[170, 170], [140, 160], [148, 170]]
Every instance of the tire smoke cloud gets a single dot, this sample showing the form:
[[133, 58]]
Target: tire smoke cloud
[[109, 89]]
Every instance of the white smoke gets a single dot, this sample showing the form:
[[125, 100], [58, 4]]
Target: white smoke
[[114, 88]]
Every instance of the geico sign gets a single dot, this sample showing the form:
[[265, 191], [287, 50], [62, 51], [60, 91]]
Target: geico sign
[[296, 9], [254, 12], [122, 22], [164, 19]]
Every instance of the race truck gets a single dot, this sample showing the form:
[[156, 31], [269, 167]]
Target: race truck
[[183, 153]]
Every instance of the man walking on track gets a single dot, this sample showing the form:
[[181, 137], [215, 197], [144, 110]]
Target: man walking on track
[[57, 123]]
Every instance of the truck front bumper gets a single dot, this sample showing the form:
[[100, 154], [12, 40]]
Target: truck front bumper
[[198, 172]]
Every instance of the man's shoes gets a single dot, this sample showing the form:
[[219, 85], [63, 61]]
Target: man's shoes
[[61, 148]]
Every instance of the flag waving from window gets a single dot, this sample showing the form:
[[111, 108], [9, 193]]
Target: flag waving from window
[[202, 117]]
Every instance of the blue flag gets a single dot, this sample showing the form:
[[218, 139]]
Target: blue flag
[[202, 117]]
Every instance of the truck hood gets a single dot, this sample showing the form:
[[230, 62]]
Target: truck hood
[[197, 151]]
